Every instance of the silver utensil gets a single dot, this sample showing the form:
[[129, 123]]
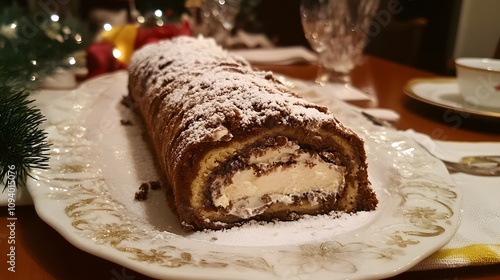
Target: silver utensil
[[473, 165]]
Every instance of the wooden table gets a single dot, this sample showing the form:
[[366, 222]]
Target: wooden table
[[41, 253]]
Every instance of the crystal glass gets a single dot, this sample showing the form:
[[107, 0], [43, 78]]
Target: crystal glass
[[219, 18], [336, 30]]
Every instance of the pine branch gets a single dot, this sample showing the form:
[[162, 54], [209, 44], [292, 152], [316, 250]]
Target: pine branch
[[23, 142], [30, 50]]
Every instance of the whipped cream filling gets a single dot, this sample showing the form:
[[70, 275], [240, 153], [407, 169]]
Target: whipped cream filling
[[221, 133], [291, 172]]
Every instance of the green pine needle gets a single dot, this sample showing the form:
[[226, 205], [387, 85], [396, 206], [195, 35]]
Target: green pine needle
[[23, 143], [30, 51]]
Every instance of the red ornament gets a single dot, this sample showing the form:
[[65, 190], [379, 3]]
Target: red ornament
[[100, 59]]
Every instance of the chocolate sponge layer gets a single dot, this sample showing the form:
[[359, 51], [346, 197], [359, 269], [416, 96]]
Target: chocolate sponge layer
[[210, 116]]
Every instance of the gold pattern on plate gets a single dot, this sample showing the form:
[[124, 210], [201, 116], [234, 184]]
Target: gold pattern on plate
[[397, 239], [95, 215], [334, 256], [87, 199]]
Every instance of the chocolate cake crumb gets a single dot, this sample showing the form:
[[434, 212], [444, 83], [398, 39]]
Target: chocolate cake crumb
[[126, 122], [142, 193], [144, 187], [127, 101], [154, 185]]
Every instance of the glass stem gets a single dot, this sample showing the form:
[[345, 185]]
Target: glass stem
[[326, 75]]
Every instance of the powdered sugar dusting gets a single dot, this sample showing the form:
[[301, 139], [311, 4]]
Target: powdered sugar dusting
[[307, 229], [205, 80]]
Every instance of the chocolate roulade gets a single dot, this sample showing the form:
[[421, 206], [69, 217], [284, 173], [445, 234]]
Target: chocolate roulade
[[234, 144]]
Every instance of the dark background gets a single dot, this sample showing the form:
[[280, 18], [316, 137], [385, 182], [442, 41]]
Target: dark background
[[422, 35]]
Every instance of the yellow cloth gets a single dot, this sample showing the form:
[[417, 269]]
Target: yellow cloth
[[473, 254], [123, 38]]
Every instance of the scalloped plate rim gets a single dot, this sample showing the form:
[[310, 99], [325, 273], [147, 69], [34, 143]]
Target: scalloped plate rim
[[49, 208]]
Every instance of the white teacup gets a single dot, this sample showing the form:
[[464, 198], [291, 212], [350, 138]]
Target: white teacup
[[479, 81]]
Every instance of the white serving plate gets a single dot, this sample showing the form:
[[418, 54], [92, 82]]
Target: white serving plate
[[97, 164]]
